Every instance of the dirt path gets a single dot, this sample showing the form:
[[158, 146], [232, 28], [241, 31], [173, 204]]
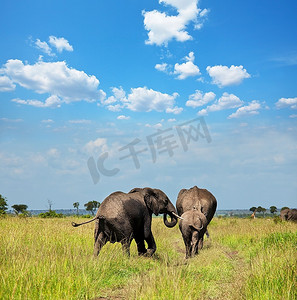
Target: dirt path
[[230, 287]]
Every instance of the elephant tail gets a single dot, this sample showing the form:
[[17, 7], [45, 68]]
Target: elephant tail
[[194, 227], [198, 221], [79, 224]]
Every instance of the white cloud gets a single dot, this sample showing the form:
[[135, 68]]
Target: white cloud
[[79, 121], [44, 47], [60, 44], [202, 16], [109, 100], [53, 152], [250, 109], [122, 117], [289, 59], [11, 120], [175, 110], [118, 95], [227, 101], [293, 116], [186, 69], [171, 120], [204, 12], [55, 78], [199, 99], [48, 121], [6, 85], [95, 146], [144, 99], [156, 126], [287, 102], [162, 67], [162, 27], [115, 108], [52, 101], [224, 76]]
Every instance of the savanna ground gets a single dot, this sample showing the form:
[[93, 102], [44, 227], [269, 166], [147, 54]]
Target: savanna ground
[[243, 259]]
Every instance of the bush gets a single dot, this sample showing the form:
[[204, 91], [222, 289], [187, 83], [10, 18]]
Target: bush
[[51, 214], [2, 213], [25, 214], [277, 219], [86, 216]]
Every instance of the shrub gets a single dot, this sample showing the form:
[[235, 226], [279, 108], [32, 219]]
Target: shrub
[[51, 214], [277, 219], [86, 216]]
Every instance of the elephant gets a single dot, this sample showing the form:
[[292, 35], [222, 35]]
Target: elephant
[[289, 214], [204, 202], [123, 217], [193, 226]]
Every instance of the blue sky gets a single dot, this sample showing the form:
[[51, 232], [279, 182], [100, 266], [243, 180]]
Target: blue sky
[[80, 80]]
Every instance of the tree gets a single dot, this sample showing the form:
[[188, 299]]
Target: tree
[[19, 208], [3, 205], [261, 209], [92, 206], [253, 209], [50, 204], [76, 205], [273, 209]]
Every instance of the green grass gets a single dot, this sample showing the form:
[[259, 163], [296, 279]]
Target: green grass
[[243, 259]]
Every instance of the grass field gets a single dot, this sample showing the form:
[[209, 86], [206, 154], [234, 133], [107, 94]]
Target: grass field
[[243, 259]]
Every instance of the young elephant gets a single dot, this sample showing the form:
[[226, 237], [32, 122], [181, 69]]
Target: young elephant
[[193, 226], [123, 217]]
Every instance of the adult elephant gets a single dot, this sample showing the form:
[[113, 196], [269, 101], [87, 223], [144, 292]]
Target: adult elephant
[[123, 217], [193, 198], [289, 214]]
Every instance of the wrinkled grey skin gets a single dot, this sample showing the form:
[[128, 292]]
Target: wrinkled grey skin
[[193, 226], [289, 214], [202, 199], [123, 217]]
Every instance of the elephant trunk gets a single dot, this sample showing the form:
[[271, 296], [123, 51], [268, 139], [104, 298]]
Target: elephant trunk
[[173, 215]]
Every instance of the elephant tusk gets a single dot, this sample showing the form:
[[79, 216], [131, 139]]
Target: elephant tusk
[[176, 215]]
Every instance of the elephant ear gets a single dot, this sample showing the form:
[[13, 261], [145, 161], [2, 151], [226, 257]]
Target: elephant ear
[[151, 200]]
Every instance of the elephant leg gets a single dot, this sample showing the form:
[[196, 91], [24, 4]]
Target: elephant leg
[[151, 249], [126, 246], [194, 243], [200, 243], [188, 246], [140, 246], [96, 232], [99, 243]]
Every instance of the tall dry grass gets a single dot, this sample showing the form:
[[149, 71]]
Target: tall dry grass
[[243, 259]]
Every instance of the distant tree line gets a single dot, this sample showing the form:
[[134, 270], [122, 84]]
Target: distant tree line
[[260, 209], [21, 209], [92, 206]]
